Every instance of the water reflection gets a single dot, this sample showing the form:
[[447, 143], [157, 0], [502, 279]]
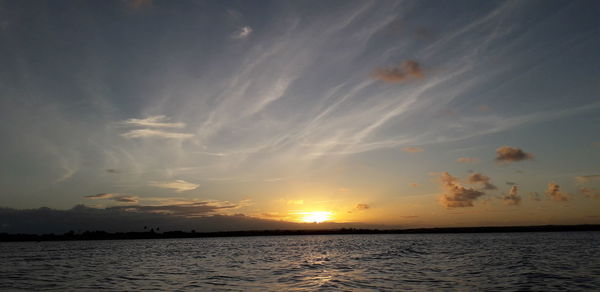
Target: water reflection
[[535, 261]]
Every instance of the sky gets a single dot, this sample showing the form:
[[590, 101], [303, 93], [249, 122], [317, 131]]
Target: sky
[[395, 113]]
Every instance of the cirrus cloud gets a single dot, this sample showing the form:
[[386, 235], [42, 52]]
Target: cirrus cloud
[[177, 185], [149, 133], [158, 121], [149, 130]]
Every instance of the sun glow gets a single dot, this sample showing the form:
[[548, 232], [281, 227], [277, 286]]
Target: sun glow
[[315, 216]]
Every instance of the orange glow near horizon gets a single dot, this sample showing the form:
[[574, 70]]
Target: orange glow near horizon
[[315, 216]]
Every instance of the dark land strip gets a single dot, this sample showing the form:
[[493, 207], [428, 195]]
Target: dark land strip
[[103, 235]]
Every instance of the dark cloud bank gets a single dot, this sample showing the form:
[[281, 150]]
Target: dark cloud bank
[[133, 218]]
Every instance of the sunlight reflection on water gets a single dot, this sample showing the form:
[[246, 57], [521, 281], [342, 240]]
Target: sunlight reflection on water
[[517, 261]]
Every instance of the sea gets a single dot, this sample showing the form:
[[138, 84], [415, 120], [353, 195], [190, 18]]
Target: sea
[[539, 261]]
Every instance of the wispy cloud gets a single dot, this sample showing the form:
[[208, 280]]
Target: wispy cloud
[[466, 160], [158, 121], [295, 202], [149, 133], [587, 178], [150, 123], [507, 154], [100, 196], [177, 185], [242, 33], [114, 197], [413, 149]]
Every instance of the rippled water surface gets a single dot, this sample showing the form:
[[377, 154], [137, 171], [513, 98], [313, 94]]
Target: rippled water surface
[[515, 261]]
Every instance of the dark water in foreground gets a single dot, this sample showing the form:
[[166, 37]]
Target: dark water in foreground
[[503, 261]]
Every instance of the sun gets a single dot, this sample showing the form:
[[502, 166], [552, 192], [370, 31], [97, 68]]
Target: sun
[[315, 216]]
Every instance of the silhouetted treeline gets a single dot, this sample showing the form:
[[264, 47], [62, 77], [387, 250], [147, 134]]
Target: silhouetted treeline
[[102, 235]]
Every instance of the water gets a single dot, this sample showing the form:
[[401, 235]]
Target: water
[[487, 262]]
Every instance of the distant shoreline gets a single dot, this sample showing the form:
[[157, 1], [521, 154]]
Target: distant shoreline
[[102, 235]]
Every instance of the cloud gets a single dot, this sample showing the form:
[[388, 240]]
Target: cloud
[[512, 198], [154, 122], [274, 215], [114, 197], [510, 183], [149, 133], [100, 196], [590, 192], [409, 217], [295, 202], [409, 69], [475, 178], [535, 196], [177, 185], [555, 194], [187, 209], [414, 185], [413, 149], [587, 178], [362, 207], [242, 33], [456, 195], [125, 199], [507, 154], [150, 123], [466, 160], [200, 216]]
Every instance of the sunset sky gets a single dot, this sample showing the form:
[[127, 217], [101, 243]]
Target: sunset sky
[[401, 113]]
